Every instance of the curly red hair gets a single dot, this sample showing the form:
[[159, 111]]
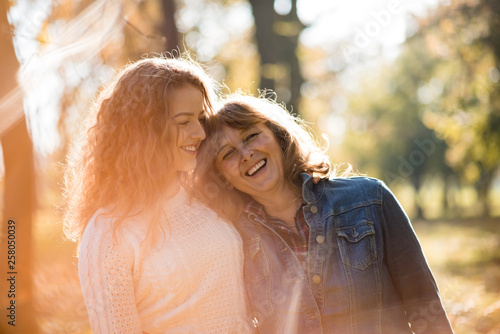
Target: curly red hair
[[124, 161]]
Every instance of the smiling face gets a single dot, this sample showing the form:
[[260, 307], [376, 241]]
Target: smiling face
[[252, 160], [187, 112]]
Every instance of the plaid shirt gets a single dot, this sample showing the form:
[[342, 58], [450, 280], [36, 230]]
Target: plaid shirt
[[298, 242]]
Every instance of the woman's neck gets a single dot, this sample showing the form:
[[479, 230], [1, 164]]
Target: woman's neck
[[282, 205], [173, 188]]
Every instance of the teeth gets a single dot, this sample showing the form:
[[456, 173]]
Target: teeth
[[256, 167], [189, 148]]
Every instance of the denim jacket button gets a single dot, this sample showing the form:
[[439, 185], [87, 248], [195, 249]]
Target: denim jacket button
[[314, 209], [320, 239], [316, 279]]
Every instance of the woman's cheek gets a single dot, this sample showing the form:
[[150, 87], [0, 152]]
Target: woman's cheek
[[233, 167], [227, 168]]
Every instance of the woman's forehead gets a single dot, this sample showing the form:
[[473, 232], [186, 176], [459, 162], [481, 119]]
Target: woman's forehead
[[226, 135]]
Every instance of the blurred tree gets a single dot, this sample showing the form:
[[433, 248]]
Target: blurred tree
[[19, 199], [463, 39], [419, 153], [169, 27], [221, 33], [393, 142], [277, 39], [130, 36], [435, 112], [151, 28]]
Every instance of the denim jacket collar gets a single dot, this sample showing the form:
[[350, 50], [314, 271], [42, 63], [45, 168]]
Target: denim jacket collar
[[310, 192]]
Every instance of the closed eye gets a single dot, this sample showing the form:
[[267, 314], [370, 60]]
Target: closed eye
[[252, 135], [227, 154]]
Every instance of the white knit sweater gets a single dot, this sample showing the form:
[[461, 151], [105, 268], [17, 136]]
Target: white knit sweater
[[191, 282]]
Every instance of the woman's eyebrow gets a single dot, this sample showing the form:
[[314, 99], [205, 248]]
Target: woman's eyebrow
[[249, 128], [187, 113], [183, 114], [242, 133]]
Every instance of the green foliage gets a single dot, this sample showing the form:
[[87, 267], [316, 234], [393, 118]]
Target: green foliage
[[435, 111], [461, 40], [401, 149]]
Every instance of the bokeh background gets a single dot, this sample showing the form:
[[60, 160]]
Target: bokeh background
[[407, 92]]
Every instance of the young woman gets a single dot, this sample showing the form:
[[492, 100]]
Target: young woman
[[151, 260], [334, 256]]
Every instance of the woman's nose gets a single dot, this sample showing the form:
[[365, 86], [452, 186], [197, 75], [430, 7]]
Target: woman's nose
[[199, 131], [246, 153]]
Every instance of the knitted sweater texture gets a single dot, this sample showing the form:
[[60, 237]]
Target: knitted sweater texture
[[191, 281]]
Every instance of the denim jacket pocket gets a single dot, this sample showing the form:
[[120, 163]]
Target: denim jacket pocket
[[357, 244], [256, 264]]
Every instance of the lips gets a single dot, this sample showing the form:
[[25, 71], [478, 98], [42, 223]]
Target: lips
[[256, 168]]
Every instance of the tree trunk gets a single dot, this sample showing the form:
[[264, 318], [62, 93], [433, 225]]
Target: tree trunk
[[417, 183], [263, 13], [483, 187], [16, 298], [288, 54], [277, 38], [169, 29]]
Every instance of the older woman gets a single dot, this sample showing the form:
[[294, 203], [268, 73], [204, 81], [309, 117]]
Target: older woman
[[339, 256]]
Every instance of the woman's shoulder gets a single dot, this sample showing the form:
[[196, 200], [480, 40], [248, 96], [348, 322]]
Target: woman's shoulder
[[197, 212], [356, 183], [356, 190], [100, 224], [105, 229], [104, 222], [195, 205]]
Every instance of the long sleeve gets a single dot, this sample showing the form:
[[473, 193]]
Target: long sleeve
[[105, 269], [409, 270]]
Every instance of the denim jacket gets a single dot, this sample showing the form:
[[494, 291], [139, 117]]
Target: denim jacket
[[366, 270]]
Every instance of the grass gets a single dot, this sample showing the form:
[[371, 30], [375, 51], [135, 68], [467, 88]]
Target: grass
[[465, 258]]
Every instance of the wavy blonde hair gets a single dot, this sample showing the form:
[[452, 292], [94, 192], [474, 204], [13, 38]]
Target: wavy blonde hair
[[124, 160], [301, 152]]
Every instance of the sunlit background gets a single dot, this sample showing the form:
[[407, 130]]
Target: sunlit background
[[405, 91]]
